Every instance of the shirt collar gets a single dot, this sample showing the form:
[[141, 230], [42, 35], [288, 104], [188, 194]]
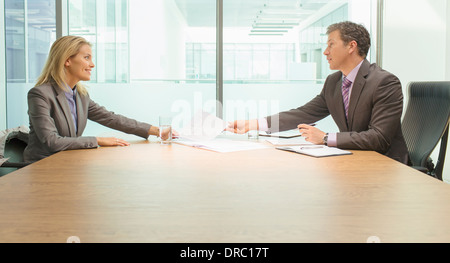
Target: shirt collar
[[71, 93], [352, 75]]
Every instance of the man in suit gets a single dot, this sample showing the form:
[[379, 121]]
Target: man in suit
[[365, 101]]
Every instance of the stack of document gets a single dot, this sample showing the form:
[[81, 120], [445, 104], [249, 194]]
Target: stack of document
[[202, 133], [223, 145]]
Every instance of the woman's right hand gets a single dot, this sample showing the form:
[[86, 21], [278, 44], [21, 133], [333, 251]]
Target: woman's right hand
[[111, 141]]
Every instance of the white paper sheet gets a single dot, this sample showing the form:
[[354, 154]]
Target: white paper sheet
[[203, 130], [223, 145], [203, 127], [288, 142]]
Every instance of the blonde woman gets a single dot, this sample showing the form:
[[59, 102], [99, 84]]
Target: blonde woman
[[59, 105]]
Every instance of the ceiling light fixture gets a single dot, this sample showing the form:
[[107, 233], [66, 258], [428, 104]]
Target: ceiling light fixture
[[265, 34], [268, 31], [282, 11], [268, 23], [272, 27]]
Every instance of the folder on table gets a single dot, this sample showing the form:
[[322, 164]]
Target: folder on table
[[315, 150]]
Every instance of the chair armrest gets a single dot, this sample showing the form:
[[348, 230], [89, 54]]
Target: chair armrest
[[14, 165], [421, 169]]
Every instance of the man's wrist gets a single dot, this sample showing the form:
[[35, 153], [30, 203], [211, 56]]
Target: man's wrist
[[253, 125], [325, 139]]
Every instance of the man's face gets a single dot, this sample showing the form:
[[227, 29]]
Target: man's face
[[337, 52]]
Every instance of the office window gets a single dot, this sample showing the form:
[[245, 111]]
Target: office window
[[278, 52], [314, 39], [160, 53], [30, 31], [104, 23], [15, 41], [273, 60], [243, 61], [152, 51]]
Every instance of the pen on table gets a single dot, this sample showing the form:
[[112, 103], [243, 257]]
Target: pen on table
[[311, 124], [311, 147]]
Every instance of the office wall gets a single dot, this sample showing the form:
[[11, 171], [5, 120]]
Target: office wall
[[415, 39], [157, 40], [416, 44], [447, 74]]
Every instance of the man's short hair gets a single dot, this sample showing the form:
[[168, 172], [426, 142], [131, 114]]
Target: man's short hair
[[353, 32]]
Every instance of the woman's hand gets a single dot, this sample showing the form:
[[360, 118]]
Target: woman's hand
[[166, 133], [111, 141], [154, 130]]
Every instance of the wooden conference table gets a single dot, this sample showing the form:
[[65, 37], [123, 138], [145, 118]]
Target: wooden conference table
[[148, 192]]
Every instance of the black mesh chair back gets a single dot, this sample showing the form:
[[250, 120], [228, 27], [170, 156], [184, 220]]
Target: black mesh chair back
[[425, 123]]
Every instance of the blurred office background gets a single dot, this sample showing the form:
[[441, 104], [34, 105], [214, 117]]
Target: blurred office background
[[159, 56]]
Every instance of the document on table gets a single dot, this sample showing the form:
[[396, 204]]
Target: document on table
[[203, 127], [202, 133], [289, 142], [315, 151], [223, 145]]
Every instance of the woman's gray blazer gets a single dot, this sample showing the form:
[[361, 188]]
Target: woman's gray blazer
[[52, 128]]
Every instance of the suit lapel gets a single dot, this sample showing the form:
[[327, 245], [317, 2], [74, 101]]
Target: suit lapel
[[62, 100], [357, 89]]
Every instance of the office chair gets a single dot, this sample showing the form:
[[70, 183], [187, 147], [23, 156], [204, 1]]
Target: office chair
[[14, 145], [425, 123]]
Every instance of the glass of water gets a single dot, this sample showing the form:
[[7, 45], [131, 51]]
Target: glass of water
[[165, 130], [251, 134]]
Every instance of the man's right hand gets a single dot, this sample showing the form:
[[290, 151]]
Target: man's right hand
[[242, 126]]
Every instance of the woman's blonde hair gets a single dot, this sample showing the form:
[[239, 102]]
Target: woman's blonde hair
[[54, 71]]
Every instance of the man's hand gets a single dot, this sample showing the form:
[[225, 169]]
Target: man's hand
[[311, 134], [242, 126]]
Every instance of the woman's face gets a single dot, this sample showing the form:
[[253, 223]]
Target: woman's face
[[78, 67]]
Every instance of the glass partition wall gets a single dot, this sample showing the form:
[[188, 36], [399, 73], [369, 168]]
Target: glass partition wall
[[144, 56], [273, 52], [30, 29], [159, 57]]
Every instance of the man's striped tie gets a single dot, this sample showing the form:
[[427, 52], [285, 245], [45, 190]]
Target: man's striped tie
[[345, 94]]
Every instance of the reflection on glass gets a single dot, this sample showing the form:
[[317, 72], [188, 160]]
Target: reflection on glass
[[151, 49], [273, 51], [15, 41], [104, 23], [30, 30]]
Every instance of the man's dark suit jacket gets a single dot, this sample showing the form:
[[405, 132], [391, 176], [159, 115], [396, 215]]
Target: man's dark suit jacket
[[52, 128], [374, 117]]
